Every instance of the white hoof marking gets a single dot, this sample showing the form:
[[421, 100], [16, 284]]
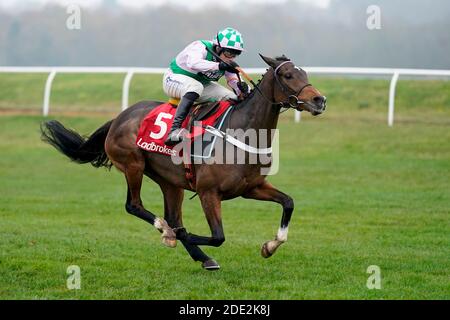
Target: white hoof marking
[[282, 234], [159, 224]]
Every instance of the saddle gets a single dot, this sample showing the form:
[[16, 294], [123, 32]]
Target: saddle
[[202, 111], [154, 127]]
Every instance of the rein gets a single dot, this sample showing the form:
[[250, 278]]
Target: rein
[[292, 102]]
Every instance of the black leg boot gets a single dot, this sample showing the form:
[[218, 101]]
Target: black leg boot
[[175, 135]]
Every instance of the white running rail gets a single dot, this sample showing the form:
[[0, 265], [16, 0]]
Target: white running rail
[[129, 72]]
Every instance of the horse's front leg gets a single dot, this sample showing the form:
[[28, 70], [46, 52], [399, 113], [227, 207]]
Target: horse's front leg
[[211, 206], [173, 199], [267, 192]]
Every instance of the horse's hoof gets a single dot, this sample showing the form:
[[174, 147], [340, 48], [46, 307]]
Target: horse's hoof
[[169, 242], [265, 252], [169, 233], [210, 265], [169, 238]]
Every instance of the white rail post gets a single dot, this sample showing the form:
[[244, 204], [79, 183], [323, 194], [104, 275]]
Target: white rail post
[[298, 116], [48, 89], [126, 89], [392, 98]]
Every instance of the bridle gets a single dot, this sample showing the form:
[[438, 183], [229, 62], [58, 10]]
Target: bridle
[[293, 100]]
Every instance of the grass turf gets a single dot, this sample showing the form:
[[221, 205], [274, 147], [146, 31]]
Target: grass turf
[[365, 194]]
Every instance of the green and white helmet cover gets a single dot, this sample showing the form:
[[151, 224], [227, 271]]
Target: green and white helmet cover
[[229, 38]]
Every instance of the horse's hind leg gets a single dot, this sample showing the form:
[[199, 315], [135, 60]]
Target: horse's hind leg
[[173, 199], [134, 174]]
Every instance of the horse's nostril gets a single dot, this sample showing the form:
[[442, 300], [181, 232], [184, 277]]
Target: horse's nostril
[[319, 100]]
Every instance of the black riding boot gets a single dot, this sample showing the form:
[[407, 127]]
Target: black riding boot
[[175, 135]]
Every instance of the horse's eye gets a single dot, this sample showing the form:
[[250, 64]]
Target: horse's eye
[[288, 75]]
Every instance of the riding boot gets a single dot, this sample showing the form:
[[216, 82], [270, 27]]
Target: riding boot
[[175, 135]]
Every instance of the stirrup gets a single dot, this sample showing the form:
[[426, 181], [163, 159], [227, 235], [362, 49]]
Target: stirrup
[[176, 136]]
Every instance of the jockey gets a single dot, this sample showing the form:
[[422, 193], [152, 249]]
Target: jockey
[[193, 75]]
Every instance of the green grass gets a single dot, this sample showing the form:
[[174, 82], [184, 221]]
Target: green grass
[[365, 194]]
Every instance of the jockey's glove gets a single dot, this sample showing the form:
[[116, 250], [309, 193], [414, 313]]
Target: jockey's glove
[[243, 87], [230, 67]]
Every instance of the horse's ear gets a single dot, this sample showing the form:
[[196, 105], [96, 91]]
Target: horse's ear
[[271, 62]]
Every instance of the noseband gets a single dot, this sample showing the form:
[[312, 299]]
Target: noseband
[[293, 100]]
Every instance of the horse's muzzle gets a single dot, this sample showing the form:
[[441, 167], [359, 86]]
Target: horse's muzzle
[[318, 105]]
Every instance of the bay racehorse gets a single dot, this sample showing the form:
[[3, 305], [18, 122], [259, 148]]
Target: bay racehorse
[[283, 85]]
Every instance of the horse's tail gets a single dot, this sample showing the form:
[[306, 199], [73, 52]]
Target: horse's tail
[[78, 149]]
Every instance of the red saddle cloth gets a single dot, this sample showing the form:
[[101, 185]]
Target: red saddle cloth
[[156, 125]]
